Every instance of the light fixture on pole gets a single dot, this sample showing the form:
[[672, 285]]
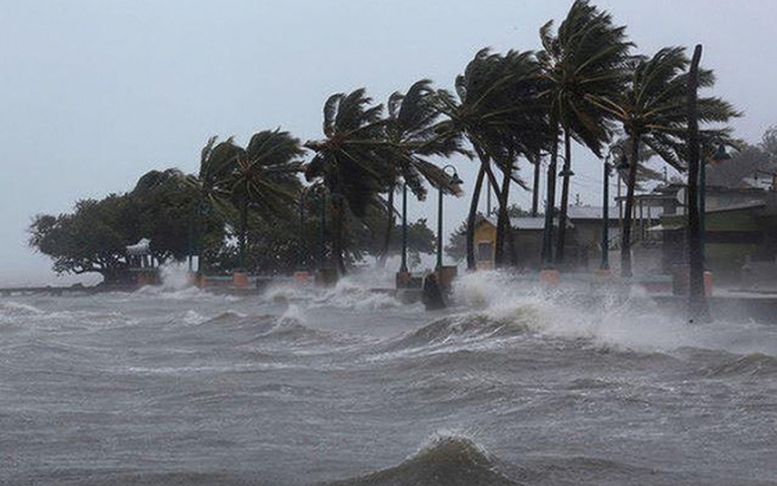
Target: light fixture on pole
[[604, 265], [403, 265], [454, 181], [720, 154]]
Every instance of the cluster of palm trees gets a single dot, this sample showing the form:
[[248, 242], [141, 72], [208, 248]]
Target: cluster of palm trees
[[585, 85]]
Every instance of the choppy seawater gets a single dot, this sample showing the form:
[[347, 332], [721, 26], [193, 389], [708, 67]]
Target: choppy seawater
[[304, 386]]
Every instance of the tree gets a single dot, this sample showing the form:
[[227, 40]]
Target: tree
[[497, 109], [164, 205], [262, 177], [94, 237], [90, 240], [653, 112], [585, 58], [353, 160], [412, 128]]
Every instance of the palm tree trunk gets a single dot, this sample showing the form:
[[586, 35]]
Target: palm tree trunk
[[547, 237], [501, 206], [626, 271], [390, 222], [698, 307], [473, 211], [503, 224], [243, 232], [337, 243], [562, 219]]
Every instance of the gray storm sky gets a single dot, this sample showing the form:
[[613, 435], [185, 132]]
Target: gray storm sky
[[94, 93]]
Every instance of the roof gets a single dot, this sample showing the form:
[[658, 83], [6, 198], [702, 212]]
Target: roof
[[589, 212], [139, 248], [528, 223]]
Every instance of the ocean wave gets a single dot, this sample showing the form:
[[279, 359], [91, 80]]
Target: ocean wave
[[17, 309], [447, 461], [753, 365], [466, 327], [348, 294]]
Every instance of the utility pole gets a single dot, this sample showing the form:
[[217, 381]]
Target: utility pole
[[698, 309]]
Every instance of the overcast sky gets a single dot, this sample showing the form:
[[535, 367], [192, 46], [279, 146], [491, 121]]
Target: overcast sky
[[94, 93]]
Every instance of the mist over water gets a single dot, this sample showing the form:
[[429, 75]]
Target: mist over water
[[513, 384]]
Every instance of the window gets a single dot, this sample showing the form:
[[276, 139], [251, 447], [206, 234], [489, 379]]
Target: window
[[485, 252]]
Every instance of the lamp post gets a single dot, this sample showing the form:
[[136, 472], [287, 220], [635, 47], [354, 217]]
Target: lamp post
[[547, 233], [403, 265], [454, 180], [604, 265], [565, 174], [321, 231], [718, 155], [547, 237]]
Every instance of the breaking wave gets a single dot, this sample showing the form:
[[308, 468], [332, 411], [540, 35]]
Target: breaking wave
[[447, 461]]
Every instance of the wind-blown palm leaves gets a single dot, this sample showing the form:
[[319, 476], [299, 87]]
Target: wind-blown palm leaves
[[498, 111], [353, 159], [412, 130], [587, 56], [653, 112], [262, 176]]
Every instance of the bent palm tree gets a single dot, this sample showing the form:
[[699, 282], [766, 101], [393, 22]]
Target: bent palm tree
[[653, 112], [412, 129], [585, 57], [353, 159], [497, 111], [262, 176]]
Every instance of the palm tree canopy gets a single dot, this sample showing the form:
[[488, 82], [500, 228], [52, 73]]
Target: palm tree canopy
[[498, 108], [587, 56], [264, 174], [413, 129], [353, 157], [653, 107]]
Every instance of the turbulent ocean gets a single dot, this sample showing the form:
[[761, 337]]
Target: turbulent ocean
[[511, 385]]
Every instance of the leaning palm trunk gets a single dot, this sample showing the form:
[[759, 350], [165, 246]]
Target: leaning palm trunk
[[535, 198], [494, 185], [390, 221], [626, 270], [243, 233], [473, 211], [503, 222], [337, 240], [547, 240], [562, 219]]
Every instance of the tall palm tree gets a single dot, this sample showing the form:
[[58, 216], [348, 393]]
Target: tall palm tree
[[498, 111], [262, 176], [412, 129], [352, 160], [586, 56], [653, 112]]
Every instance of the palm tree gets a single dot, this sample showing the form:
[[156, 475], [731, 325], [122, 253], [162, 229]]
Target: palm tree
[[585, 57], [353, 159], [412, 130], [262, 176], [653, 112], [497, 110]]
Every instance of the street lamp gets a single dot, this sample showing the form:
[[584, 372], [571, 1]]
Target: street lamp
[[403, 266], [717, 156], [547, 236], [454, 181], [605, 262]]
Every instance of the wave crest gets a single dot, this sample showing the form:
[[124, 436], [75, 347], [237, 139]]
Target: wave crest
[[754, 364], [447, 461]]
